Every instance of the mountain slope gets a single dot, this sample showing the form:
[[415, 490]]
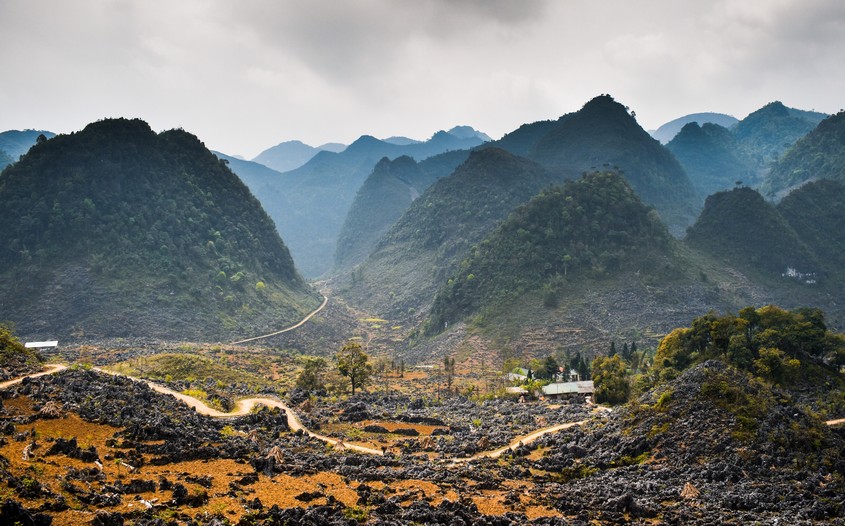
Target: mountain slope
[[743, 229], [118, 231], [818, 155], [711, 157], [768, 132], [594, 226], [668, 131], [428, 242], [5, 159], [384, 197], [310, 204], [18, 142], [816, 212], [604, 134]]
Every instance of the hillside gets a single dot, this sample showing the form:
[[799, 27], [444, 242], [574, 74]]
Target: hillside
[[740, 227], [5, 159], [18, 142], [712, 158], [290, 155], [383, 198], [310, 204], [668, 131], [592, 227], [816, 212], [15, 359], [428, 242], [768, 132], [603, 134], [818, 155], [522, 140], [118, 231]]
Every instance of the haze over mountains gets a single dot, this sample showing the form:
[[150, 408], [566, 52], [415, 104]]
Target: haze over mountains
[[309, 204], [399, 225]]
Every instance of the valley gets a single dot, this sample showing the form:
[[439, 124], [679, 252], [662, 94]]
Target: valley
[[573, 324]]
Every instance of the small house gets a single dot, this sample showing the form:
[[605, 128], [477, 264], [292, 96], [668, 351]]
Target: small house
[[568, 389]]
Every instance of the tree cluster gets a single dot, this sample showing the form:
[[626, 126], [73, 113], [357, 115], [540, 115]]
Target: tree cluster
[[770, 342]]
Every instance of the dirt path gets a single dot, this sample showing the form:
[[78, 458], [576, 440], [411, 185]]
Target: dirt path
[[292, 327], [51, 368], [244, 406]]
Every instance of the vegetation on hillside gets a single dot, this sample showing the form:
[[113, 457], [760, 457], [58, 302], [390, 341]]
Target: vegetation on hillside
[[766, 133], [384, 197], [153, 223], [15, 359], [589, 228], [428, 242], [816, 212], [309, 204], [603, 134], [739, 226], [5, 159], [818, 155], [711, 157]]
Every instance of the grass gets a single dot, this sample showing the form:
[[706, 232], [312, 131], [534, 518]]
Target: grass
[[189, 368]]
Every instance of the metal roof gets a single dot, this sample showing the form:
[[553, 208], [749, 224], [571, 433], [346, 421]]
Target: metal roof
[[39, 345], [585, 387]]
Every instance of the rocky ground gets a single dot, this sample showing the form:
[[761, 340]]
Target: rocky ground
[[711, 447]]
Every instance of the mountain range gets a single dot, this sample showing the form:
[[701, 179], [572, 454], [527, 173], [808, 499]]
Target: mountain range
[[309, 204]]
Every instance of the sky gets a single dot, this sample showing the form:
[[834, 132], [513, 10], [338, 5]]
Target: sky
[[248, 74]]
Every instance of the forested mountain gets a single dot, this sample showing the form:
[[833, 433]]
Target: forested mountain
[[435, 234], [310, 204], [18, 142], [816, 212], [740, 227], [712, 158], [818, 155], [591, 227], [668, 131], [768, 132], [522, 140], [384, 197], [118, 231], [5, 159], [604, 134], [289, 155]]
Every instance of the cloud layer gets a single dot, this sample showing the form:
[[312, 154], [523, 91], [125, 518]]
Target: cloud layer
[[246, 75]]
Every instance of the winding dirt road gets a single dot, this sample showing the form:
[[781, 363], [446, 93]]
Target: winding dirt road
[[292, 327], [244, 406]]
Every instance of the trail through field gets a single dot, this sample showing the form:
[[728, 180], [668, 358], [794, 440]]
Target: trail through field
[[244, 406]]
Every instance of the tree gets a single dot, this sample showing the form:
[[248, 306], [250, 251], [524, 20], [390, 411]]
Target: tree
[[610, 381], [550, 367], [449, 369], [311, 377], [353, 363]]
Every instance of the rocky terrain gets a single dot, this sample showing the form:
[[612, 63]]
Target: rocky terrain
[[713, 446]]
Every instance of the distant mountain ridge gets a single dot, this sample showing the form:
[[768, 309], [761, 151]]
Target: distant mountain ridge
[[604, 135], [818, 155], [290, 155], [712, 157], [385, 195], [309, 204], [436, 233], [17, 142], [668, 131], [117, 231], [767, 133]]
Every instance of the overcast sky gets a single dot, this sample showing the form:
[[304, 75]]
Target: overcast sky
[[245, 75]]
